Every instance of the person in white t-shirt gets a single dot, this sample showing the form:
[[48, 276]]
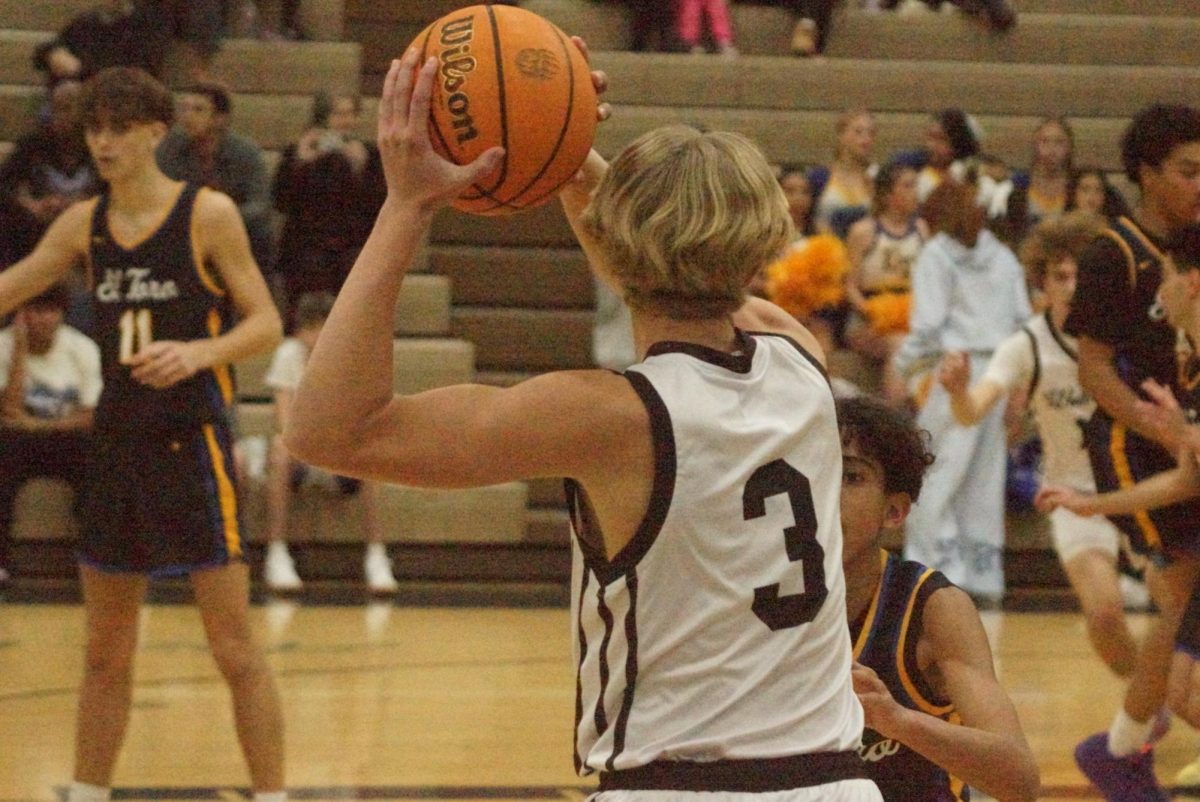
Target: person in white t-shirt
[[49, 384], [1040, 361], [286, 474]]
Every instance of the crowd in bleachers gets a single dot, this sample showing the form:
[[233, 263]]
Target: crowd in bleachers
[[307, 221]]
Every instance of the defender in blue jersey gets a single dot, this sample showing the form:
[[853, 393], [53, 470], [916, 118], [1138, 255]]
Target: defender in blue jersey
[[169, 266], [937, 719]]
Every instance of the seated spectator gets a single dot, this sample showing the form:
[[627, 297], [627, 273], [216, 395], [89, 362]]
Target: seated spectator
[[883, 249], [999, 15], [329, 186], [843, 190], [50, 382], [812, 24], [48, 170], [1089, 190], [203, 150], [688, 17], [1040, 193], [951, 145], [650, 25], [285, 474], [197, 24], [119, 33]]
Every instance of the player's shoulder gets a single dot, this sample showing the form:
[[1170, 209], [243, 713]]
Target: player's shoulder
[[213, 202], [760, 316]]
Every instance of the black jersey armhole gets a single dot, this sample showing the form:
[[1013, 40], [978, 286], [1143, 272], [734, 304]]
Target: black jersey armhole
[[662, 434], [935, 582]]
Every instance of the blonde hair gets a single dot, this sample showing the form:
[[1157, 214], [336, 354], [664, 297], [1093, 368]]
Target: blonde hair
[[1054, 239], [684, 220]]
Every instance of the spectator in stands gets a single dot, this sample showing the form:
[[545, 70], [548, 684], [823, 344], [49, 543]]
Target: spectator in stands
[[1027, 198], [883, 249], [812, 25], [650, 25], [999, 15], [285, 474], [48, 170], [1089, 189], [844, 189], [951, 145], [203, 150], [117, 33], [688, 17], [198, 25], [49, 385], [968, 295], [329, 186]]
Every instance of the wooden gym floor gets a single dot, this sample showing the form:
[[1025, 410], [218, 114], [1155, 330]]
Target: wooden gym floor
[[422, 699]]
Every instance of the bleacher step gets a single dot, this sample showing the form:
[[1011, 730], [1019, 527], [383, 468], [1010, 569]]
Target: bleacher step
[[508, 338], [529, 277]]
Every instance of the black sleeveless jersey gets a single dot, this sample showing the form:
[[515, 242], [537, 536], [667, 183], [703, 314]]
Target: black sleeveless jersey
[[152, 290], [885, 640], [1116, 303]]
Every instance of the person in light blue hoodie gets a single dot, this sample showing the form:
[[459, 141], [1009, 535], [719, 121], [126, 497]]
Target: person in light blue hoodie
[[969, 294]]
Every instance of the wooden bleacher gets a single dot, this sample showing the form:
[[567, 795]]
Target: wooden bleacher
[[516, 291]]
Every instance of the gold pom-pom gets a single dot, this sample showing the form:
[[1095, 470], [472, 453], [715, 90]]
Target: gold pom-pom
[[887, 312], [810, 276]]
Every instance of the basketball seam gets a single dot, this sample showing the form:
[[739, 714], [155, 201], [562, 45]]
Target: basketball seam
[[562, 133], [503, 114]]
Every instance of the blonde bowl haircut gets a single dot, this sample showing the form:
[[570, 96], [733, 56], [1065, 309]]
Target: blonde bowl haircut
[[684, 219], [1052, 240]]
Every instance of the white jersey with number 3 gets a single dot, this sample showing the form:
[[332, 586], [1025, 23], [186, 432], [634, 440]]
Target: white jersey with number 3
[[719, 632]]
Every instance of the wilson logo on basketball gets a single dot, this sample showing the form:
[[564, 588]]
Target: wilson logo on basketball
[[541, 65], [457, 62]]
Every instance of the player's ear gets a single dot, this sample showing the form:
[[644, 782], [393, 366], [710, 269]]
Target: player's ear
[[895, 511]]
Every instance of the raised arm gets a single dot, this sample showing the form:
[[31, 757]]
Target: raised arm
[[988, 750]]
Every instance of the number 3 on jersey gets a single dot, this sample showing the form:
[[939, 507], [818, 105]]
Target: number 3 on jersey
[[800, 541], [136, 334]]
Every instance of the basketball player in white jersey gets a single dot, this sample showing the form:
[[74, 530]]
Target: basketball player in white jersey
[[1039, 362], [709, 600]]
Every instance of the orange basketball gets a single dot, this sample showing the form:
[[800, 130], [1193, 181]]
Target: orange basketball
[[508, 77]]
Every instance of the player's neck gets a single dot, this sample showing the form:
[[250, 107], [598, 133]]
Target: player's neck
[[1151, 221], [862, 579], [146, 190], [649, 329]]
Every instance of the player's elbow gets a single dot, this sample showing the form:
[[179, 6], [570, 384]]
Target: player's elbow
[[1027, 781]]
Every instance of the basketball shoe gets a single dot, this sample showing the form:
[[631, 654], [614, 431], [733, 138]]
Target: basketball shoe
[[1119, 779]]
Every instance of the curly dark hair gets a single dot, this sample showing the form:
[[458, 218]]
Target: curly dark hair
[[891, 438], [1155, 131]]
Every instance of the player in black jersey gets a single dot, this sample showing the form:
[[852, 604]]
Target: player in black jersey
[[1124, 340], [169, 265], [937, 719], [1171, 416]]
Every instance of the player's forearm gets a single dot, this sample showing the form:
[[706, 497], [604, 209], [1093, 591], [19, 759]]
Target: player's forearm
[[348, 378], [575, 197], [1099, 378], [259, 331], [998, 765], [1160, 490]]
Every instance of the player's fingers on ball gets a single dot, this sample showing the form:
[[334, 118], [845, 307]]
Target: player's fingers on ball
[[417, 121], [599, 81], [603, 112], [387, 100], [582, 47]]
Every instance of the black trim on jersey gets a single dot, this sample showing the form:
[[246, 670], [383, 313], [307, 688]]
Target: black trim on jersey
[[739, 776], [600, 717], [1058, 338], [738, 362], [583, 650], [1037, 361], [631, 671], [804, 352], [935, 582], [663, 490]]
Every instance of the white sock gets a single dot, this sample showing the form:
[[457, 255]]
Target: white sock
[[84, 792], [277, 549], [1127, 736], [270, 796], [376, 551]]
